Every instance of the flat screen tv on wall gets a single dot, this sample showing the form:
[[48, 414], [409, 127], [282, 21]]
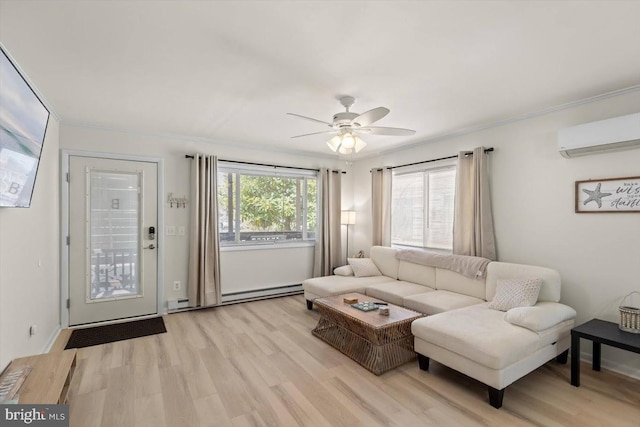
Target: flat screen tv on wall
[[23, 124]]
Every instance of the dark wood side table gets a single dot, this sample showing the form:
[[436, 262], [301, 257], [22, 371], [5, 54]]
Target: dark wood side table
[[599, 332]]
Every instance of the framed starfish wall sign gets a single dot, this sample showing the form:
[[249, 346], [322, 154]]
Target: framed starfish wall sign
[[608, 195]]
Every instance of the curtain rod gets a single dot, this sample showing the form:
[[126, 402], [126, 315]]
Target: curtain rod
[[467, 153], [188, 156]]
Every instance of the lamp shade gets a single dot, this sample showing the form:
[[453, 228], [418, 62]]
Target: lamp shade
[[334, 143], [346, 143], [348, 218]]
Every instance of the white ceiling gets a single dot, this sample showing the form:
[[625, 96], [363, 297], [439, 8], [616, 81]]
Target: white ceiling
[[230, 70]]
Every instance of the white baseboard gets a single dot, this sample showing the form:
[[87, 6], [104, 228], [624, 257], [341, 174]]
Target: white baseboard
[[52, 339], [612, 366]]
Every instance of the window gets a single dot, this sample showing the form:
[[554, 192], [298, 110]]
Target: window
[[264, 205], [422, 208]]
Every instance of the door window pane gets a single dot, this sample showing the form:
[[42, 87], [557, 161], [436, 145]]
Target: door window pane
[[114, 234]]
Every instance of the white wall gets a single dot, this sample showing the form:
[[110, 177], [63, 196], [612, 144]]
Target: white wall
[[29, 262], [236, 276], [248, 270], [598, 255]]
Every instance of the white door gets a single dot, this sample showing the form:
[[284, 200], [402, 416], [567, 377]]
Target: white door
[[113, 219]]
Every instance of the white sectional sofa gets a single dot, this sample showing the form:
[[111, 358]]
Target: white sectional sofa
[[460, 330]]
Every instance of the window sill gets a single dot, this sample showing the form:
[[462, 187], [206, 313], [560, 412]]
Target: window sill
[[424, 248], [267, 246]]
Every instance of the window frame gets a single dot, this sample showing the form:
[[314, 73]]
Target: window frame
[[242, 169], [426, 169]]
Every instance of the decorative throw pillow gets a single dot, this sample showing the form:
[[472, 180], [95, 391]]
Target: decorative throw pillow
[[363, 267], [543, 316], [516, 293], [345, 270]]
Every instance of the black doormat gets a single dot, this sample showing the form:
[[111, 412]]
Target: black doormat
[[121, 331]]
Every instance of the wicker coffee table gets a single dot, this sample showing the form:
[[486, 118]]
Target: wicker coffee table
[[377, 342]]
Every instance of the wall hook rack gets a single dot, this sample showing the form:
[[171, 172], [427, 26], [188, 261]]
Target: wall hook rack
[[180, 202]]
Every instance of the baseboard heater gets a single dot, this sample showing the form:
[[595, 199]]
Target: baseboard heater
[[262, 293], [178, 304]]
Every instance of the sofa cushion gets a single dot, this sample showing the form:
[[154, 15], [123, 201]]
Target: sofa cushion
[[363, 267], [549, 291], [483, 335], [385, 259], [439, 301], [416, 273], [540, 317], [394, 292], [345, 270], [336, 285], [448, 280], [515, 293]]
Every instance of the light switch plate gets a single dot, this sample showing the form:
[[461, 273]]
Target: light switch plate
[[170, 230]]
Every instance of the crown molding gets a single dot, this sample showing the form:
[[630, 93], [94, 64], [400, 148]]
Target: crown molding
[[503, 122], [199, 139], [369, 155]]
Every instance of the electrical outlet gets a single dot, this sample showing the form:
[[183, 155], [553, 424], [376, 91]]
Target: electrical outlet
[[170, 230], [177, 285]]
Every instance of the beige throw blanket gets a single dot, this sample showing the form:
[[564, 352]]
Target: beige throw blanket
[[470, 266]]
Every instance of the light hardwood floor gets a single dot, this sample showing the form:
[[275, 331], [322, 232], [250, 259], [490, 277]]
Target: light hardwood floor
[[257, 364]]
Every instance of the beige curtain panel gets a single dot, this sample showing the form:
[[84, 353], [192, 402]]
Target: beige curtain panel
[[381, 206], [328, 251], [473, 221], [203, 288]]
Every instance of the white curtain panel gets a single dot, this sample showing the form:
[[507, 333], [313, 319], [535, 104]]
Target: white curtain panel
[[328, 251], [381, 206], [473, 221], [203, 287]]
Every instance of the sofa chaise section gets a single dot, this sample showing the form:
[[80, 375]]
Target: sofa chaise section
[[497, 347]]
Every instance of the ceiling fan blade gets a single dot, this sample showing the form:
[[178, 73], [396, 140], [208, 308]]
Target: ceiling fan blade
[[309, 118], [370, 116], [316, 133], [377, 130]]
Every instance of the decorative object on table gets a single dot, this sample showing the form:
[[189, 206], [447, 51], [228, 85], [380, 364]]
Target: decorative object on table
[[11, 381], [630, 313], [350, 300], [608, 195], [180, 202], [360, 254], [366, 306], [348, 218], [383, 310]]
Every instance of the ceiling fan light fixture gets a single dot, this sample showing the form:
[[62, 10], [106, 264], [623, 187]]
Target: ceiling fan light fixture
[[334, 143], [344, 150], [360, 144], [347, 125], [348, 140]]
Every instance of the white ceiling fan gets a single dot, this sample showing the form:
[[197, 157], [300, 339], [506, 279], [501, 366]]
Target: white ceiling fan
[[348, 126]]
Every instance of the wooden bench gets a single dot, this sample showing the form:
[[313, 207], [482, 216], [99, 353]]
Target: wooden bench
[[49, 379]]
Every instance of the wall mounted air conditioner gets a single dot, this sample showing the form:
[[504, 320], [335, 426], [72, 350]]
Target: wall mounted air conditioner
[[618, 133]]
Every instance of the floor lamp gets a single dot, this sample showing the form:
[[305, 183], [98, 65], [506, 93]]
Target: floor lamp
[[348, 218]]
